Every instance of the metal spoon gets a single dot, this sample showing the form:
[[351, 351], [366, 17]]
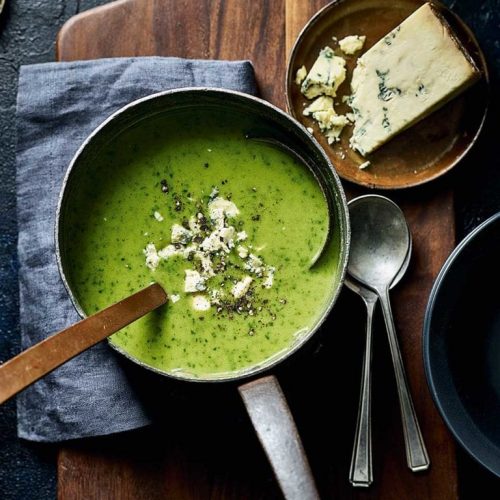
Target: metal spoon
[[361, 471], [379, 246]]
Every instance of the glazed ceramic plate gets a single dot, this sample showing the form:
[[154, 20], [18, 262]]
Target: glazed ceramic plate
[[424, 151], [462, 344]]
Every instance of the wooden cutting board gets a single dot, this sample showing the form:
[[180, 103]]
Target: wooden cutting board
[[209, 450]]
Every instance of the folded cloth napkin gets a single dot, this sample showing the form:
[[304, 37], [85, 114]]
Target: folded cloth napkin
[[58, 105]]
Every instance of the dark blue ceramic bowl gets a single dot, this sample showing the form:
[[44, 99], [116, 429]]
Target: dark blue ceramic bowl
[[462, 343]]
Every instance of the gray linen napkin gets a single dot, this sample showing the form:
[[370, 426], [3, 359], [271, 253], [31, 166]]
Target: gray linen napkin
[[58, 105]]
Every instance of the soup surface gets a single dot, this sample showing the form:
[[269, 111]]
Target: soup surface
[[228, 226]]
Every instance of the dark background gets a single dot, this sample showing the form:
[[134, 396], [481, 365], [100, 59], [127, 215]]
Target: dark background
[[27, 33]]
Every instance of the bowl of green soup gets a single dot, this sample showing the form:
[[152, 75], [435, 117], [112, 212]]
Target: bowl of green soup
[[171, 189]]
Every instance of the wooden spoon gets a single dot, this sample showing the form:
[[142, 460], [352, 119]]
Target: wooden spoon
[[40, 359]]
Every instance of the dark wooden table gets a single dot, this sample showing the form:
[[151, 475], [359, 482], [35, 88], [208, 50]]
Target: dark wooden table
[[205, 448]]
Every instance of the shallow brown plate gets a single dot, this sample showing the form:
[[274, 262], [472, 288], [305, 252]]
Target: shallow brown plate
[[423, 152]]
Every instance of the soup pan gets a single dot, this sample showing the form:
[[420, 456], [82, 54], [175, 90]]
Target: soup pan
[[262, 396]]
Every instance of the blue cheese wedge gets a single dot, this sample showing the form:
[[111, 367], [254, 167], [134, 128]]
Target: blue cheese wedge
[[326, 75], [323, 112], [416, 68], [352, 44]]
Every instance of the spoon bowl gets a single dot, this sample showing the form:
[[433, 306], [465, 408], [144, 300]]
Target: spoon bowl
[[361, 289], [380, 241]]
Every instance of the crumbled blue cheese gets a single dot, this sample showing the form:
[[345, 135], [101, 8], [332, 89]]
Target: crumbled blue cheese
[[219, 239], [220, 208], [352, 44], [216, 295], [168, 251], [200, 303], [175, 298], [337, 125], [214, 193], [326, 75], [152, 257], [242, 251], [241, 236], [254, 265], [206, 263], [174, 250], [180, 234], [241, 287], [228, 234], [158, 216], [194, 223], [330, 123], [193, 281], [320, 109], [301, 74], [405, 76], [269, 277]]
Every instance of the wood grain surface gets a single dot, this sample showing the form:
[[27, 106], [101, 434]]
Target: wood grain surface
[[202, 445]]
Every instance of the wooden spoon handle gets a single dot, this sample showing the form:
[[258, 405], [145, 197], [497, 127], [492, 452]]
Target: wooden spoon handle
[[40, 359]]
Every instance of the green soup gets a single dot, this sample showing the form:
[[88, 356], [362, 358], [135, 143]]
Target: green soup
[[247, 218]]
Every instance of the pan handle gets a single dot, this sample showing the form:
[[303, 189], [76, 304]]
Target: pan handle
[[273, 422]]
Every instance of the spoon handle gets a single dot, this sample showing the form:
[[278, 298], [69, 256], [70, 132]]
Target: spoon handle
[[416, 452], [361, 472], [40, 359]]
